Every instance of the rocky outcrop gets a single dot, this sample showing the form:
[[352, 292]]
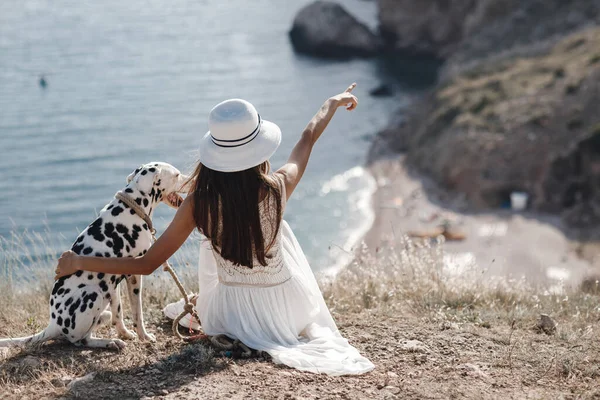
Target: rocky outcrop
[[326, 29], [466, 30], [525, 124], [425, 27]]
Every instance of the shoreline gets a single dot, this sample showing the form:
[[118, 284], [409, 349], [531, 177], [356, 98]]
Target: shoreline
[[499, 243], [345, 253]]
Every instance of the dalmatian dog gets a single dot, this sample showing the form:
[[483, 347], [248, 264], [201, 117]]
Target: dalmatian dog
[[83, 301]]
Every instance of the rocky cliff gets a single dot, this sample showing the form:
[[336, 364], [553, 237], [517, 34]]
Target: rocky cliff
[[527, 124], [516, 108], [466, 30]]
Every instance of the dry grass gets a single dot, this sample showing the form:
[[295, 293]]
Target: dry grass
[[26, 276], [414, 276], [405, 291]]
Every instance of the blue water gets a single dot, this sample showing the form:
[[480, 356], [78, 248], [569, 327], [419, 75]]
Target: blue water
[[132, 82]]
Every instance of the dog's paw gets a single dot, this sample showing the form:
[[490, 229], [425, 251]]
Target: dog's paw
[[116, 344], [147, 337], [127, 334]]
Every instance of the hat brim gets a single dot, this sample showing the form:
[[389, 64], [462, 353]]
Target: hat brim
[[249, 155]]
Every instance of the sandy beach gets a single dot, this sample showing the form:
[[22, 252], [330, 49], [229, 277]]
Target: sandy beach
[[498, 243]]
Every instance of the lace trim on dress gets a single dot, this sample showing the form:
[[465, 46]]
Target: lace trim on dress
[[260, 285]]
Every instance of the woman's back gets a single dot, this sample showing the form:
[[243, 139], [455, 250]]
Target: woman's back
[[274, 272]]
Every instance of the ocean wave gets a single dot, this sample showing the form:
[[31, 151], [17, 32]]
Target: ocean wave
[[341, 182], [363, 186]]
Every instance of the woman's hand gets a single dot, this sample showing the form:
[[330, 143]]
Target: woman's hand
[[346, 99], [67, 264]]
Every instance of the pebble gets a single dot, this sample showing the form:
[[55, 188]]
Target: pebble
[[164, 392], [75, 383], [474, 370], [31, 361], [414, 345], [446, 325], [547, 324]]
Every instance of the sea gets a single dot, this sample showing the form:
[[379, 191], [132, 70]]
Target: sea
[[129, 82]]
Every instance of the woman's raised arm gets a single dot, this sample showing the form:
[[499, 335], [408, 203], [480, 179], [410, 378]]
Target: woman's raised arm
[[293, 170], [178, 231]]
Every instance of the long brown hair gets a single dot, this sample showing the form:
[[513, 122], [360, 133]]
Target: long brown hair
[[233, 198]]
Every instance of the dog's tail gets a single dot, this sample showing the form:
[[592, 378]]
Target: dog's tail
[[47, 334]]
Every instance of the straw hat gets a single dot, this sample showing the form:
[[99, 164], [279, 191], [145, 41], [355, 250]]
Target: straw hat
[[238, 138]]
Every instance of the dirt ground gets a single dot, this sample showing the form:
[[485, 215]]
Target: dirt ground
[[415, 358], [430, 331]]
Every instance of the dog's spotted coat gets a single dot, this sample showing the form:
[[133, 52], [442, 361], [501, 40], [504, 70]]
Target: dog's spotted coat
[[80, 303]]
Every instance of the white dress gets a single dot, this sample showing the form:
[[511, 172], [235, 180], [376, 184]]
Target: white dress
[[277, 308]]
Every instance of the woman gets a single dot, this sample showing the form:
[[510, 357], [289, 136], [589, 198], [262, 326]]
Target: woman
[[255, 283]]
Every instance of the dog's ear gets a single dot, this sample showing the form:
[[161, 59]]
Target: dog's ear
[[134, 173], [146, 178]]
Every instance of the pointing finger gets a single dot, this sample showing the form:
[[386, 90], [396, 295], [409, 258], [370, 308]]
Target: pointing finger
[[351, 87]]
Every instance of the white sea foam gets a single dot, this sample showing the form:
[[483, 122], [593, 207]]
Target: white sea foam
[[341, 182], [359, 206]]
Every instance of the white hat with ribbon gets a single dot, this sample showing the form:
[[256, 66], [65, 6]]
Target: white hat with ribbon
[[238, 138]]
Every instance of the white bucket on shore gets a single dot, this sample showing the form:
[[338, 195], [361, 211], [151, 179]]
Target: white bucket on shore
[[518, 200]]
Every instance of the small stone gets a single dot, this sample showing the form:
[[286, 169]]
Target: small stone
[[164, 392], [236, 370], [546, 324], [473, 370], [77, 382], [392, 374], [446, 325], [31, 362], [414, 345]]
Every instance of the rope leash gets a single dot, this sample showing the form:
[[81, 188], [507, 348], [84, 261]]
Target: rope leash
[[188, 308], [219, 341]]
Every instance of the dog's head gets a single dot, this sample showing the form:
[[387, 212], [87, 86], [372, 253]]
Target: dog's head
[[160, 182]]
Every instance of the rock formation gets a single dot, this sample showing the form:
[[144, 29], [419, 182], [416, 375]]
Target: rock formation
[[326, 29], [524, 124]]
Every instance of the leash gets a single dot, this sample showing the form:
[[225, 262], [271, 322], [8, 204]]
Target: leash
[[188, 308]]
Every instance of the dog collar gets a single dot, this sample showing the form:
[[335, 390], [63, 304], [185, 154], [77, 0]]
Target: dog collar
[[128, 200]]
